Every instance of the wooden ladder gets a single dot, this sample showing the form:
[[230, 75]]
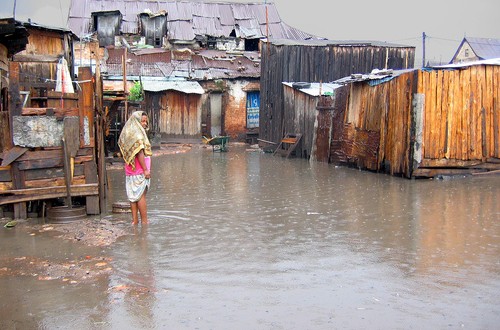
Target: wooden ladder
[[288, 144]]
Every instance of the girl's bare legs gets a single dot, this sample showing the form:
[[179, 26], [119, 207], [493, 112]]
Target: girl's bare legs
[[143, 209], [134, 208]]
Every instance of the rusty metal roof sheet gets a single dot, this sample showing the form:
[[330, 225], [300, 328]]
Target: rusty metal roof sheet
[[316, 89], [338, 43], [491, 61], [186, 19], [188, 87], [207, 64]]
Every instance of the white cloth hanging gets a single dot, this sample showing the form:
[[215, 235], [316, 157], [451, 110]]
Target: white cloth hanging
[[63, 82]]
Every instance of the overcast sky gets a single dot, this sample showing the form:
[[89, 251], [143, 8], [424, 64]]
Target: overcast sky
[[445, 22]]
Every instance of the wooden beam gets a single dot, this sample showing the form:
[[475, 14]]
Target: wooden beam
[[31, 194], [36, 58]]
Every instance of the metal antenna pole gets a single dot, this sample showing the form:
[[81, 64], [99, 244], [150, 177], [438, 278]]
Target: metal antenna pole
[[423, 49]]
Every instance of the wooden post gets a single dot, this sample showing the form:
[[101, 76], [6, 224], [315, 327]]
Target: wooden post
[[125, 89], [86, 110], [15, 109], [100, 126], [86, 107]]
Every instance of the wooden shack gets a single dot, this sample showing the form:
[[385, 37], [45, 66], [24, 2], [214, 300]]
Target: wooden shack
[[418, 123], [13, 39], [317, 61], [301, 102], [37, 165]]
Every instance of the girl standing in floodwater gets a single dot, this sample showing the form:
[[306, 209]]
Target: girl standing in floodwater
[[136, 152]]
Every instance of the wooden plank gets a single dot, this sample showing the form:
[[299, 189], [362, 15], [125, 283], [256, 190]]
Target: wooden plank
[[25, 195], [457, 111], [434, 172], [85, 105], [53, 172], [474, 130], [12, 154], [384, 109], [58, 112], [53, 182], [5, 174], [496, 113], [50, 153], [445, 111], [36, 58], [6, 185], [433, 116], [53, 95], [92, 202], [440, 93], [490, 110], [464, 115], [449, 119], [101, 164], [49, 163], [443, 162], [426, 117]]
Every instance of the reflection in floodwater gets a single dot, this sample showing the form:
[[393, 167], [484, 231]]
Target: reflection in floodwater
[[253, 241], [134, 284]]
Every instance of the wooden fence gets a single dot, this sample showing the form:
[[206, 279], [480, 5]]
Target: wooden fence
[[421, 123]]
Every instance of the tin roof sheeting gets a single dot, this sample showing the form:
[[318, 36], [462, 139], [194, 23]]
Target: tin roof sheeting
[[491, 61], [207, 64], [188, 87], [485, 48], [209, 26], [338, 43], [186, 19], [180, 30], [317, 89]]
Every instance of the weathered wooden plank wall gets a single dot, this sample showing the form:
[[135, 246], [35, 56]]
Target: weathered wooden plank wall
[[299, 117], [281, 62], [175, 114], [376, 128], [461, 115], [38, 173], [460, 130]]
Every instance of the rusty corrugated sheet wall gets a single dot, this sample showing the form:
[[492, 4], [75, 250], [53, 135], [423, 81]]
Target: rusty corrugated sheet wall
[[315, 63], [461, 114]]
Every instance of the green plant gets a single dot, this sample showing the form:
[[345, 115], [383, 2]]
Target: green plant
[[135, 93]]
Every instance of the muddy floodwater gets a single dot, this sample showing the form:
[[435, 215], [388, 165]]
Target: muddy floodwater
[[247, 240]]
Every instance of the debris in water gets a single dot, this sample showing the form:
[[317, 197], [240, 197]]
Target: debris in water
[[11, 224]]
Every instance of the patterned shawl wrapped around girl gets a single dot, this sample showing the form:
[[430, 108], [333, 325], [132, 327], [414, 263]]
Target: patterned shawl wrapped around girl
[[133, 138]]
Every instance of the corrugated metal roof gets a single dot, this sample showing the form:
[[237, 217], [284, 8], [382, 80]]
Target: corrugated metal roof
[[186, 19], [207, 64], [188, 87], [491, 61], [485, 48], [374, 78], [345, 43], [317, 89]]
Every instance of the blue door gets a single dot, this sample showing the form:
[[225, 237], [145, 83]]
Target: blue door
[[253, 105]]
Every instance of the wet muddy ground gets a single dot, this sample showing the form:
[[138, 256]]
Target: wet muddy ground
[[248, 240]]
